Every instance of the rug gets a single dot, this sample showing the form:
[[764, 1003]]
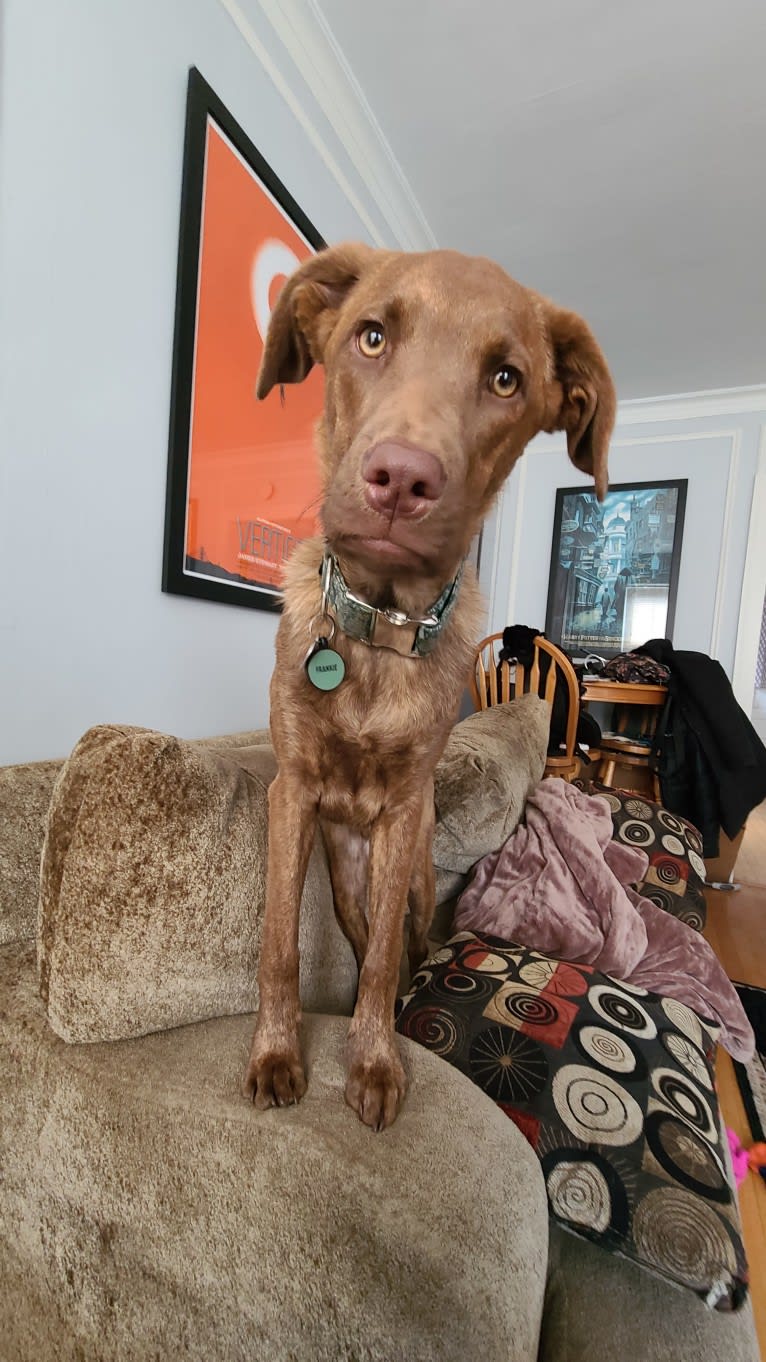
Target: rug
[[751, 1077]]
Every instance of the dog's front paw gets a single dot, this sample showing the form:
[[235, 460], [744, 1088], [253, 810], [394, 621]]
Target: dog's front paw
[[274, 1076], [376, 1087]]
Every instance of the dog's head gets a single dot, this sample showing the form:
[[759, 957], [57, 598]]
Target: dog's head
[[439, 369]]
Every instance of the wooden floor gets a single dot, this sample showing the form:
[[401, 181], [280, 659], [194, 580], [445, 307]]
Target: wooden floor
[[736, 929]]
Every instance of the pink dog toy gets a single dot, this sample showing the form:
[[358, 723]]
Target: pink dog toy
[[739, 1157]]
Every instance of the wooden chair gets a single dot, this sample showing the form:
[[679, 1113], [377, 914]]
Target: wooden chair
[[631, 753], [494, 682]]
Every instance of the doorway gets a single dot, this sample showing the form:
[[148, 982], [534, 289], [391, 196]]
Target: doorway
[[749, 679]]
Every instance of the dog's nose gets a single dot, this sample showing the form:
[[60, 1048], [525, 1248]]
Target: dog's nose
[[400, 480]]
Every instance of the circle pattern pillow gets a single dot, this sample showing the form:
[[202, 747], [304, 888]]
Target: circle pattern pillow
[[676, 873], [614, 1089]]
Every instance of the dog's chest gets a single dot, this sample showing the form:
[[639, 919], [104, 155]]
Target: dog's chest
[[362, 774], [371, 744], [369, 757]]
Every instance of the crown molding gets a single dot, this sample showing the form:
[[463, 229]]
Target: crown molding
[[308, 58], [647, 411], [692, 406]]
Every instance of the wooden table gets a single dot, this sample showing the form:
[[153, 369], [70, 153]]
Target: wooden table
[[624, 693], [618, 749]]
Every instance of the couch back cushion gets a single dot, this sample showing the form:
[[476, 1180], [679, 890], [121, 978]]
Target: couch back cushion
[[154, 871], [25, 796], [491, 762], [153, 888]]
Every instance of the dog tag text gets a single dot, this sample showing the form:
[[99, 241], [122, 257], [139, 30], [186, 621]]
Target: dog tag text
[[325, 668]]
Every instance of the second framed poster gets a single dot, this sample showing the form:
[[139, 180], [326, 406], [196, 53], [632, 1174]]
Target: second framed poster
[[614, 566]]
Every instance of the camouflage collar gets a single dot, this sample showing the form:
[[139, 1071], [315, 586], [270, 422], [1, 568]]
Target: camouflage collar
[[385, 628]]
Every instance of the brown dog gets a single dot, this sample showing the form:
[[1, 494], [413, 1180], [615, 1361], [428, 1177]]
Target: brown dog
[[438, 371]]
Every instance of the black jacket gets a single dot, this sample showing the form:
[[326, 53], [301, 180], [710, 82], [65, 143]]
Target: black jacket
[[709, 758]]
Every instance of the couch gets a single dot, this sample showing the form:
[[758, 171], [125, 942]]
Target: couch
[[147, 1211]]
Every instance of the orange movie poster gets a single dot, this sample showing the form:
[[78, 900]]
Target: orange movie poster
[[252, 484]]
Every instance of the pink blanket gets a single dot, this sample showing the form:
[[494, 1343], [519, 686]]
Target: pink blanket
[[561, 885]]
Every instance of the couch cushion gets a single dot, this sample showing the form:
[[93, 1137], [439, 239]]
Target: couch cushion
[[153, 884], [676, 874], [147, 1211], [154, 866], [25, 796], [491, 762], [611, 1085], [599, 1306]]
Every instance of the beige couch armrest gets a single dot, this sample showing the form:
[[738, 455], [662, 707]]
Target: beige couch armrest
[[204, 1229]]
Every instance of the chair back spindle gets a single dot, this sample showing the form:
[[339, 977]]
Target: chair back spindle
[[497, 682]]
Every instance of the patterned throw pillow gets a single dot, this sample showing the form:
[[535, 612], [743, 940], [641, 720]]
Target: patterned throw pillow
[[612, 1086], [676, 874]]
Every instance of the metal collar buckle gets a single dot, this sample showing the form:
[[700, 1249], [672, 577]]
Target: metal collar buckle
[[398, 617]]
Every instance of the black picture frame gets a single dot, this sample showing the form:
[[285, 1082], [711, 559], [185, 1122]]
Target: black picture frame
[[630, 546], [202, 105]]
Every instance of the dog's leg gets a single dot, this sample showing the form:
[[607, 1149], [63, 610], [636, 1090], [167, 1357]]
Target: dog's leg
[[274, 1074], [422, 895], [347, 854], [376, 1080]]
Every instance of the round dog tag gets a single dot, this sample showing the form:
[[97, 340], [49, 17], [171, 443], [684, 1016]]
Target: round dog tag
[[324, 667]]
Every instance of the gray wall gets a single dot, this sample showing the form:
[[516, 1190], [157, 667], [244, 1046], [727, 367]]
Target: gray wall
[[93, 97]]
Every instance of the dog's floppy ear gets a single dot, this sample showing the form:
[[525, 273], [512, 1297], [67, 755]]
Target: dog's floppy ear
[[304, 314], [582, 400]]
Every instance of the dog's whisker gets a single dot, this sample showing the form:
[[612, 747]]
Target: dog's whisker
[[315, 501]]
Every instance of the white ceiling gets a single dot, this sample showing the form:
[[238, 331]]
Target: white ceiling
[[610, 154]]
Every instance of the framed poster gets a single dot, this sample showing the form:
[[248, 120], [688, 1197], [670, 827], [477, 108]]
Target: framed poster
[[614, 566], [243, 482]]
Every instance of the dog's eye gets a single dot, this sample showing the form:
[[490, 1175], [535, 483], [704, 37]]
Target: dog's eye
[[371, 340], [505, 382]]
